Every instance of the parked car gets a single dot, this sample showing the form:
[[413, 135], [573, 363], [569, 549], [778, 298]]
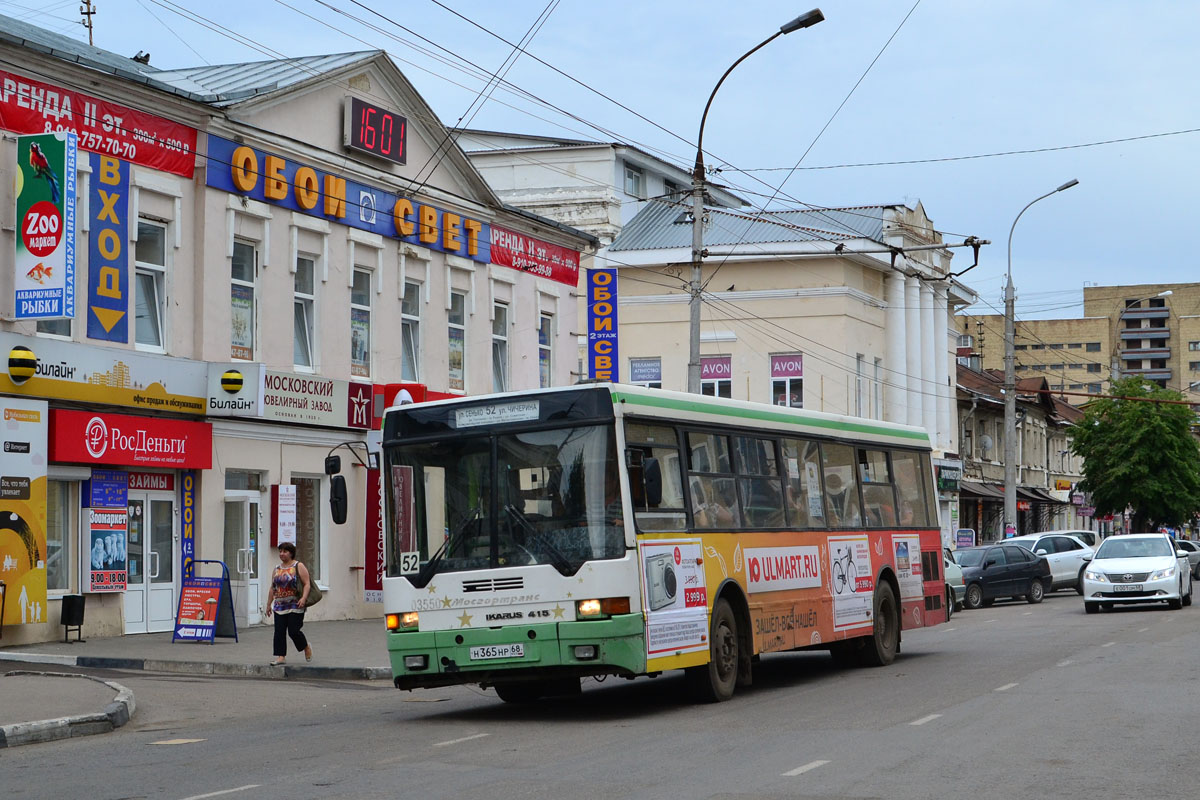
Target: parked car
[[1193, 551], [1137, 568], [956, 587], [1066, 553], [1090, 538], [1002, 570]]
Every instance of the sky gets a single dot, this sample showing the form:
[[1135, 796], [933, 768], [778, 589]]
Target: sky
[[927, 81]]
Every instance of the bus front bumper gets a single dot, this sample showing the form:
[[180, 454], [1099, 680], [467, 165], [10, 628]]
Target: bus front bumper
[[516, 652]]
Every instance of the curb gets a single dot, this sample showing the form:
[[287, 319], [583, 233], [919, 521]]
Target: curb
[[114, 715], [267, 671]]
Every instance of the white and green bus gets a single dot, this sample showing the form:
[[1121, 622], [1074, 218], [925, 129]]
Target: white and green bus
[[538, 538]]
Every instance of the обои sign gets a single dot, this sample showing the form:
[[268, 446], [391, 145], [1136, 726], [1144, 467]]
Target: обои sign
[[85, 438], [243, 170]]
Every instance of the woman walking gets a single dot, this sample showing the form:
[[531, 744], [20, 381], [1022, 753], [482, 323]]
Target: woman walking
[[288, 596]]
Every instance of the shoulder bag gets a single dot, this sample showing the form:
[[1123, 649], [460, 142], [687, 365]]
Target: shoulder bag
[[314, 593]]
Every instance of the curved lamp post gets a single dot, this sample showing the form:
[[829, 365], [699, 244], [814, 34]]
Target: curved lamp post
[[803, 21], [1010, 378]]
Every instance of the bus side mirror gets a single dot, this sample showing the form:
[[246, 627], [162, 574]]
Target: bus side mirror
[[333, 465], [652, 476], [337, 498]]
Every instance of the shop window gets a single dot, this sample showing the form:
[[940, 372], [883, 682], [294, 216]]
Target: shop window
[[59, 528], [360, 324], [244, 297], [150, 285], [410, 332], [308, 525]]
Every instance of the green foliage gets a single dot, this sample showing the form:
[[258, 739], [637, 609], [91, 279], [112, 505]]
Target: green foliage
[[1140, 455]]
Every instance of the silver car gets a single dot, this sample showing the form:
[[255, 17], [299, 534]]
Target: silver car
[[1066, 553], [1137, 568], [1193, 551]]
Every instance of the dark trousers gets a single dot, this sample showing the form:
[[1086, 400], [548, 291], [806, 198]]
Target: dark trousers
[[289, 625]]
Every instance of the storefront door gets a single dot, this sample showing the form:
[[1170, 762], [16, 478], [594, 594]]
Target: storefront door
[[242, 538], [153, 551]]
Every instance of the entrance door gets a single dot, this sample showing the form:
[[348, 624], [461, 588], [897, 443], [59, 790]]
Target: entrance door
[[151, 595], [241, 555]]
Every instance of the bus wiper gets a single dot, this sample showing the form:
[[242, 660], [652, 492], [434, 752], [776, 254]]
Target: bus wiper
[[430, 569], [559, 561]]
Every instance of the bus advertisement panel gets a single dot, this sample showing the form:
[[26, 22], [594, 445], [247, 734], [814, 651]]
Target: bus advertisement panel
[[536, 539]]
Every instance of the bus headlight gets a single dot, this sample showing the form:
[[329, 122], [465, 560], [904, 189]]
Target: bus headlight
[[409, 620], [604, 607]]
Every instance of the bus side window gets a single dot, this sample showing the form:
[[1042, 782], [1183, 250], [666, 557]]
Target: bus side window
[[654, 468], [802, 476], [841, 489], [909, 485]]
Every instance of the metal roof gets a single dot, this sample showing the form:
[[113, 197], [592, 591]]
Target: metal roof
[[225, 84], [668, 225], [218, 85]]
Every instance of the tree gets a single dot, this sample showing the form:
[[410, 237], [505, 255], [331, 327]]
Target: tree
[[1139, 452]]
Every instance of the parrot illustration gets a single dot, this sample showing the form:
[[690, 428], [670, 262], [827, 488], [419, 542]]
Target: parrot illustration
[[41, 169]]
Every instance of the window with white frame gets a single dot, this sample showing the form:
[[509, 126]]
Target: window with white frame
[[308, 525], [360, 324], [456, 324], [859, 385], [545, 354], [635, 181], [59, 527], [303, 307], [150, 281], [244, 297], [500, 348], [410, 332]]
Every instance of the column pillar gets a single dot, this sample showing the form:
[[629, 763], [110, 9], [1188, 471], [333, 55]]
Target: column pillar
[[912, 350], [896, 376], [942, 369], [929, 387]]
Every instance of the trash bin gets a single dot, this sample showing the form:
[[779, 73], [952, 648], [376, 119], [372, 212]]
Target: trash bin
[[72, 616]]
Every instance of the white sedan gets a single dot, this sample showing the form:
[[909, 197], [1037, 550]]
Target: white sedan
[[1137, 568], [1066, 553]]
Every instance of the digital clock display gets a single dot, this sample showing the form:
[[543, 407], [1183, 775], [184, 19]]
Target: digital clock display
[[374, 130]]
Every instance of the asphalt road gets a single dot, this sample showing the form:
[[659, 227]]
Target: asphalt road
[[1012, 701]]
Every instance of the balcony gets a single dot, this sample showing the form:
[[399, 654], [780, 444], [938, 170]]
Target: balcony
[[1146, 313], [1138, 353], [1150, 374], [1145, 333]]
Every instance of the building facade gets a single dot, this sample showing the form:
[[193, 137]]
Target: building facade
[[264, 253]]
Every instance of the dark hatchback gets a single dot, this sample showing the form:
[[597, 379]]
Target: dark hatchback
[[1002, 570]]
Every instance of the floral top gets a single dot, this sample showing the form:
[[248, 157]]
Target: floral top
[[288, 588]]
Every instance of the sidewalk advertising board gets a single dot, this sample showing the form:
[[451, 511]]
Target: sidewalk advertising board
[[23, 554], [205, 606], [964, 537]]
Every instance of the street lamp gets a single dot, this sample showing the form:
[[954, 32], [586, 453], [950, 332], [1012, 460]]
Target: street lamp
[[806, 20], [1010, 377]]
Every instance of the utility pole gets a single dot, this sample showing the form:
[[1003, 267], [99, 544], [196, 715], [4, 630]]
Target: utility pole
[[87, 10], [695, 288]]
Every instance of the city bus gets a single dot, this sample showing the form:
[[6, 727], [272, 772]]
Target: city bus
[[538, 538]]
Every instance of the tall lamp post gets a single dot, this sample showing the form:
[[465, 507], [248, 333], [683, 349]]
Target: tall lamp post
[[806, 20], [1010, 378]]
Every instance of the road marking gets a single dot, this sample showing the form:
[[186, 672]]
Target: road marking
[[989, 620], [1142, 630], [923, 720], [791, 773], [1108, 644], [1065, 663], [1004, 688], [951, 629], [179, 741], [463, 739], [1027, 614], [223, 791]]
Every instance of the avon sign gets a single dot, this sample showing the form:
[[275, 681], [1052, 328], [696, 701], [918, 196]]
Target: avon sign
[[86, 438]]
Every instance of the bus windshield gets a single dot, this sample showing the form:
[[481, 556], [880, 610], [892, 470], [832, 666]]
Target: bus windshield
[[472, 502]]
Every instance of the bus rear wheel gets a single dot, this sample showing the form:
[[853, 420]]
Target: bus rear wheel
[[880, 649], [714, 682]]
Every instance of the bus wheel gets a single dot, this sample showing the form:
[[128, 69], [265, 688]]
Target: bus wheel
[[519, 692], [714, 682], [880, 650]]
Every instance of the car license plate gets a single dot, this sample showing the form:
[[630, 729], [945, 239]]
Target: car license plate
[[489, 651], [1128, 587]]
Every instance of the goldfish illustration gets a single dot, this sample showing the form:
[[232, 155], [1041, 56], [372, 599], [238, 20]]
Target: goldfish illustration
[[39, 273]]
